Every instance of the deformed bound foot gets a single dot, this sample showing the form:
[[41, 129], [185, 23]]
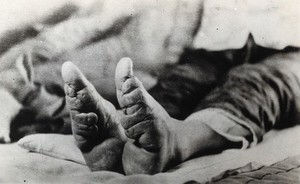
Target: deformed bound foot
[[94, 122], [152, 144]]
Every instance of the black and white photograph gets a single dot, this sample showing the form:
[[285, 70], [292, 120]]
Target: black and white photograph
[[149, 91]]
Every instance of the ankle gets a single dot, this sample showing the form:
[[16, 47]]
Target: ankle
[[175, 150]]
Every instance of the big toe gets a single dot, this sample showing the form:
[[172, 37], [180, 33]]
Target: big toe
[[80, 92], [73, 77], [123, 72]]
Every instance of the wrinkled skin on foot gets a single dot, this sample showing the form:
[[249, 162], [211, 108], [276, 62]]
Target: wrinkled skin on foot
[[94, 122], [148, 126], [101, 131]]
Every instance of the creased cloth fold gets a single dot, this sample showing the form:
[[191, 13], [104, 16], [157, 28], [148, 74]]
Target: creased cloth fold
[[228, 23]]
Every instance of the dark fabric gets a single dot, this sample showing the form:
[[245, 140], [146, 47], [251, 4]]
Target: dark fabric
[[261, 93], [264, 95], [181, 86]]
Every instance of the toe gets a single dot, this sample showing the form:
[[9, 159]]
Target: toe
[[129, 88], [81, 94], [130, 84], [73, 77], [133, 109], [139, 129], [123, 72], [85, 124], [87, 119], [74, 103], [132, 98]]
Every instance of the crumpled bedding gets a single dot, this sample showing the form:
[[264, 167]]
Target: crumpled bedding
[[228, 23], [285, 171], [224, 26], [225, 23], [19, 165]]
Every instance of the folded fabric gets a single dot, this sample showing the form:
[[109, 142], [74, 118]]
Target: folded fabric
[[285, 171], [228, 23], [54, 145], [9, 107], [169, 26], [277, 145]]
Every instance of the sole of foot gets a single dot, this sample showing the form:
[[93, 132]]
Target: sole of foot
[[152, 139], [94, 121]]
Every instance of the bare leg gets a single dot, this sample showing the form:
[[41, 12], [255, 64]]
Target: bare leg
[[94, 122]]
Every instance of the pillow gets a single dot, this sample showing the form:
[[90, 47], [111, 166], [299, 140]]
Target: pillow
[[54, 145]]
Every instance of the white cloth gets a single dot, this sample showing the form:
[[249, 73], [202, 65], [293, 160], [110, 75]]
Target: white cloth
[[226, 24]]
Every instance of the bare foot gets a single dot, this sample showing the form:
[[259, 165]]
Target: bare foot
[[151, 130], [94, 122]]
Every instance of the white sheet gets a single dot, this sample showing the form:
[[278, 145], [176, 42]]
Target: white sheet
[[18, 165], [225, 24]]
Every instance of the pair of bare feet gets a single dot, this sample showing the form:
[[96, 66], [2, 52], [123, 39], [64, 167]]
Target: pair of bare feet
[[138, 138]]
